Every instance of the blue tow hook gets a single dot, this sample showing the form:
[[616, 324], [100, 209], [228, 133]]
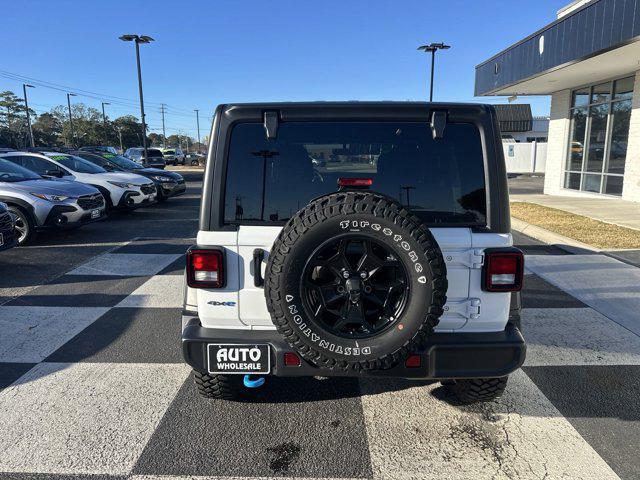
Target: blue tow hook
[[253, 383]]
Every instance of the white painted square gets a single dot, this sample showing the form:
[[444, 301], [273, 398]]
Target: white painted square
[[84, 418], [126, 264], [605, 284], [31, 334], [160, 291], [577, 336], [522, 435]]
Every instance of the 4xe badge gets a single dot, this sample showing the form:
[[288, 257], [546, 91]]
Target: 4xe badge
[[214, 303]]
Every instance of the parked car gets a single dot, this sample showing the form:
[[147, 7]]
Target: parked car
[[155, 160], [174, 156], [168, 184], [99, 149], [121, 190], [301, 273], [195, 159], [40, 204], [8, 236]]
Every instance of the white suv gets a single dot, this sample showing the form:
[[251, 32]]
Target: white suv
[[392, 258], [121, 190]]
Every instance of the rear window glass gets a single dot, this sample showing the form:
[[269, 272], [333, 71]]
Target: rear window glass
[[152, 152], [441, 181], [77, 164]]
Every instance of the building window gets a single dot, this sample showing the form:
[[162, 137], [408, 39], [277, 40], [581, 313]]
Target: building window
[[598, 137]]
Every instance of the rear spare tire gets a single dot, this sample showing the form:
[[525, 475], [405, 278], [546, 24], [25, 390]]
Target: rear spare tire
[[355, 282]]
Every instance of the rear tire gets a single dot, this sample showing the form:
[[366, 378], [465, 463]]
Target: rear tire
[[221, 387], [477, 390]]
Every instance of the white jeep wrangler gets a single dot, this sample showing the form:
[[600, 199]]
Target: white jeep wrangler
[[354, 239]]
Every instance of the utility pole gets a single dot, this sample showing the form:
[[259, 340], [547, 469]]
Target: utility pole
[[164, 135], [433, 47], [104, 121], [69, 95], [138, 39], [26, 109], [198, 123]]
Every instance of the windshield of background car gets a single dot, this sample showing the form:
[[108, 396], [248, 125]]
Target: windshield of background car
[[169, 152], [77, 164], [10, 172], [154, 152], [123, 162], [440, 180]]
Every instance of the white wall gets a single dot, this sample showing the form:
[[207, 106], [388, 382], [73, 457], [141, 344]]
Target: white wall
[[558, 141], [631, 187], [521, 157]]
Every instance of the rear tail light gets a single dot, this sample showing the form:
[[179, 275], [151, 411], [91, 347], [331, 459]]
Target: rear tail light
[[205, 268], [503, 270]]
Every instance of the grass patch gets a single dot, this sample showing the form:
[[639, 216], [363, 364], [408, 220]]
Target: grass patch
[[584, 229]]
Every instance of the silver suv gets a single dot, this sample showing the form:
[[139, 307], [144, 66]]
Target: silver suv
[[155, 158], [41, 204]]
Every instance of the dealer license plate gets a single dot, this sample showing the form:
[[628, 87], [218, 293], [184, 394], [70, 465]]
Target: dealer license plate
[[238, 359]]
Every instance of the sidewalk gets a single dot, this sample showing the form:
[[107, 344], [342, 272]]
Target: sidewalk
[[609, 210]]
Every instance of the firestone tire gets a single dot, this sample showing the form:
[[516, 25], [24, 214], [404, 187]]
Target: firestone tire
[[376, 218], [477, 390]]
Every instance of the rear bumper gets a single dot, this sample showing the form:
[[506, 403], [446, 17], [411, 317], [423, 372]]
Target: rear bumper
[[446, 355], [67, 216]]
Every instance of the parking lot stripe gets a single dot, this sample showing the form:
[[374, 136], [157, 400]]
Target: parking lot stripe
[[88, 291], [125, 264], [577, 336], [292, 427], [127, 335], [83, 418], [603, 405], [605, 284], [30, 334], [417, 431], [160, 291]]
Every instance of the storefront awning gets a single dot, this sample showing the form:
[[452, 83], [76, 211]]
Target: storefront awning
[[592, 43]]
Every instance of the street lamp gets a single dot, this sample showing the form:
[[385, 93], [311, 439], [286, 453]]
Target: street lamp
[[26, 108], [198, 123], [138, 39], [69, 95], [104, 121], [433, 47]]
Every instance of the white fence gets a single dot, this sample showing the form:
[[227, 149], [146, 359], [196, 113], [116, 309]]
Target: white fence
[[525, 157]]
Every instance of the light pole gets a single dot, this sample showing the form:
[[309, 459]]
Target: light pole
[[433, 47], [198, 123], [69, 95], [138, 39], [26, 109], [104, 121]]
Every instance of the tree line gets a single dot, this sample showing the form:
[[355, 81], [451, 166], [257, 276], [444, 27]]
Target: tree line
[[53, 128]]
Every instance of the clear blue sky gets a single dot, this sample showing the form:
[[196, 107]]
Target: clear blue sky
[[211, 52]]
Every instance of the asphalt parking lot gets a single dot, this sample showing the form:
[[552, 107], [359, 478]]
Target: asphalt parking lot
[[92, 383]]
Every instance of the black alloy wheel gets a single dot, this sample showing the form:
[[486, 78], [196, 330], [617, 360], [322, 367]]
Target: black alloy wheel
[[354, 287]]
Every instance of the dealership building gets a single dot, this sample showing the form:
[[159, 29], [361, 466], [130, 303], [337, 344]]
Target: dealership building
[[588, 60]]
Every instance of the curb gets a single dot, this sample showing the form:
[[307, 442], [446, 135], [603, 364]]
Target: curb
[[565, 243]]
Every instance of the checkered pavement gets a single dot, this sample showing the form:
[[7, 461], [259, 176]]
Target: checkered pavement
[[92, 385]]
